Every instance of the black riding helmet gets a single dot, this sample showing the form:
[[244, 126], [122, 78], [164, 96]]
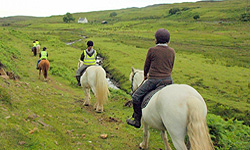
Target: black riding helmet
[[90, 43], [44, 48], [162, 36]]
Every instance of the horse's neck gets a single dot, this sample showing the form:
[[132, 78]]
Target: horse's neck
[[80, 63], [139, 75]]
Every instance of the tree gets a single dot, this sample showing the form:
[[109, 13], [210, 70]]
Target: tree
[[113, 14], [196, 17], [68, 17]]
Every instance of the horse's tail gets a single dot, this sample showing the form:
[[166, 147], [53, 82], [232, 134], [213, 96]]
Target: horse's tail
[[197, 129], [46, 68], [102, 91]]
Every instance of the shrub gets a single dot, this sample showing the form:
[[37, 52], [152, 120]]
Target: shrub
[[173, 11], [196, 17], [185, 9], [245, 17], [113, 14], [231, 134]]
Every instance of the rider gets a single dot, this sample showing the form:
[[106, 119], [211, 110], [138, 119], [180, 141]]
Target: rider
[[37, 42], [43, 55], [33, 46], [157, 69], [89, 58]]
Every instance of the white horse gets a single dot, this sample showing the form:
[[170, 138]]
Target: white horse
[[38, 48], [94, 78], [178, 109]]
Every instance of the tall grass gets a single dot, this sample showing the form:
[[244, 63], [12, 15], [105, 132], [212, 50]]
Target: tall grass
[[212, 55]]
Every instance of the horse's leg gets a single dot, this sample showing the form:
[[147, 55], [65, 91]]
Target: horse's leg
[[165, 139], [39, 73], [144, 143], [98, 107], [87, 97], [177, 133]]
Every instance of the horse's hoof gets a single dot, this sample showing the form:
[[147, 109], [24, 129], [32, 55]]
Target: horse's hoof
[[141, 147], [98, 111]]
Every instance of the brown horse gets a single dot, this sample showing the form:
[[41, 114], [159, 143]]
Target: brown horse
[[44, 67]]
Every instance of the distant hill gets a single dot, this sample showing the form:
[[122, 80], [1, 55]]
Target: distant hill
[[15, 19], [228, 10], [212, 0]]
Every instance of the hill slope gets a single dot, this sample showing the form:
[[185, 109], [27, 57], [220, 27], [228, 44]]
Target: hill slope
[[211, 56]]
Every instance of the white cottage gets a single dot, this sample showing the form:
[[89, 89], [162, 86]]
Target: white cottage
[[82, 20]]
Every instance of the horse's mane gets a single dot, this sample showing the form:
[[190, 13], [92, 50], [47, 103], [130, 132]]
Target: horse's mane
[[79, 63], [138, 70], [134, 70]]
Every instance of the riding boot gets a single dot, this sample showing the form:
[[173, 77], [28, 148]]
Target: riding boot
[[137, 116], [78, 80]]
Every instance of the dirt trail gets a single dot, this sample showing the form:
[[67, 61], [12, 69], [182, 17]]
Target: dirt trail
[[78, 99]]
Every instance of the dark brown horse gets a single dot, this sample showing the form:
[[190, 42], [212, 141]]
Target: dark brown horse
[[44, 67]]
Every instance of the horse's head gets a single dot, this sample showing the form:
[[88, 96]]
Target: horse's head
[[136, 77], [80, 63]]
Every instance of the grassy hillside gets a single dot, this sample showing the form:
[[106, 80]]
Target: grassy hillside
[[212, 55]]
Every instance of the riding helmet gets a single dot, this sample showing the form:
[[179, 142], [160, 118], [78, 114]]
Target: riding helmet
[[90, 43], [44, 48], [162, 36]]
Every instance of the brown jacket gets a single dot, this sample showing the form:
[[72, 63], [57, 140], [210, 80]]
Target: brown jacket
[[159, 62]]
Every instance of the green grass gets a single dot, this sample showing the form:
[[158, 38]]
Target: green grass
[[212, 55]]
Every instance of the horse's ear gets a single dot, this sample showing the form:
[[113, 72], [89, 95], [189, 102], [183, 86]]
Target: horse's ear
[[132, 68]]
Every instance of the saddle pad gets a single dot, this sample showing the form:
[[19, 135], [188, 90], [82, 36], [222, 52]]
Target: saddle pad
[[148, 96]]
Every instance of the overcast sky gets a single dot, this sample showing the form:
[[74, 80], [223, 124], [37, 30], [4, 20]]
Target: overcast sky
[[44, 8]]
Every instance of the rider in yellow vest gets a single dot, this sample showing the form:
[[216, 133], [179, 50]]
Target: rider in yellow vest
[[33, 46], [37, 42], [89, 58], [42, 55]]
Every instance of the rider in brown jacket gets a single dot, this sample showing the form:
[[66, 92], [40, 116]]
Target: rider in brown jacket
[[157, 70]]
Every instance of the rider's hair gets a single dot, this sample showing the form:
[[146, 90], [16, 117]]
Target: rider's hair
[[162, 36], [90, 43]]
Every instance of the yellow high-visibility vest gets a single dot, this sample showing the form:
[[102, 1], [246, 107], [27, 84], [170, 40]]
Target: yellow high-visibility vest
[[43, 55], [89, 60]]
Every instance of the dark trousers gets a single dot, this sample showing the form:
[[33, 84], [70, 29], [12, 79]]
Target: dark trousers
[[80, 70], [148, 86], [38, 63]]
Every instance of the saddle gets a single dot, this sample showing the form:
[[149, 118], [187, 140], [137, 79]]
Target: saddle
[[149, 95], [83, 70]]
